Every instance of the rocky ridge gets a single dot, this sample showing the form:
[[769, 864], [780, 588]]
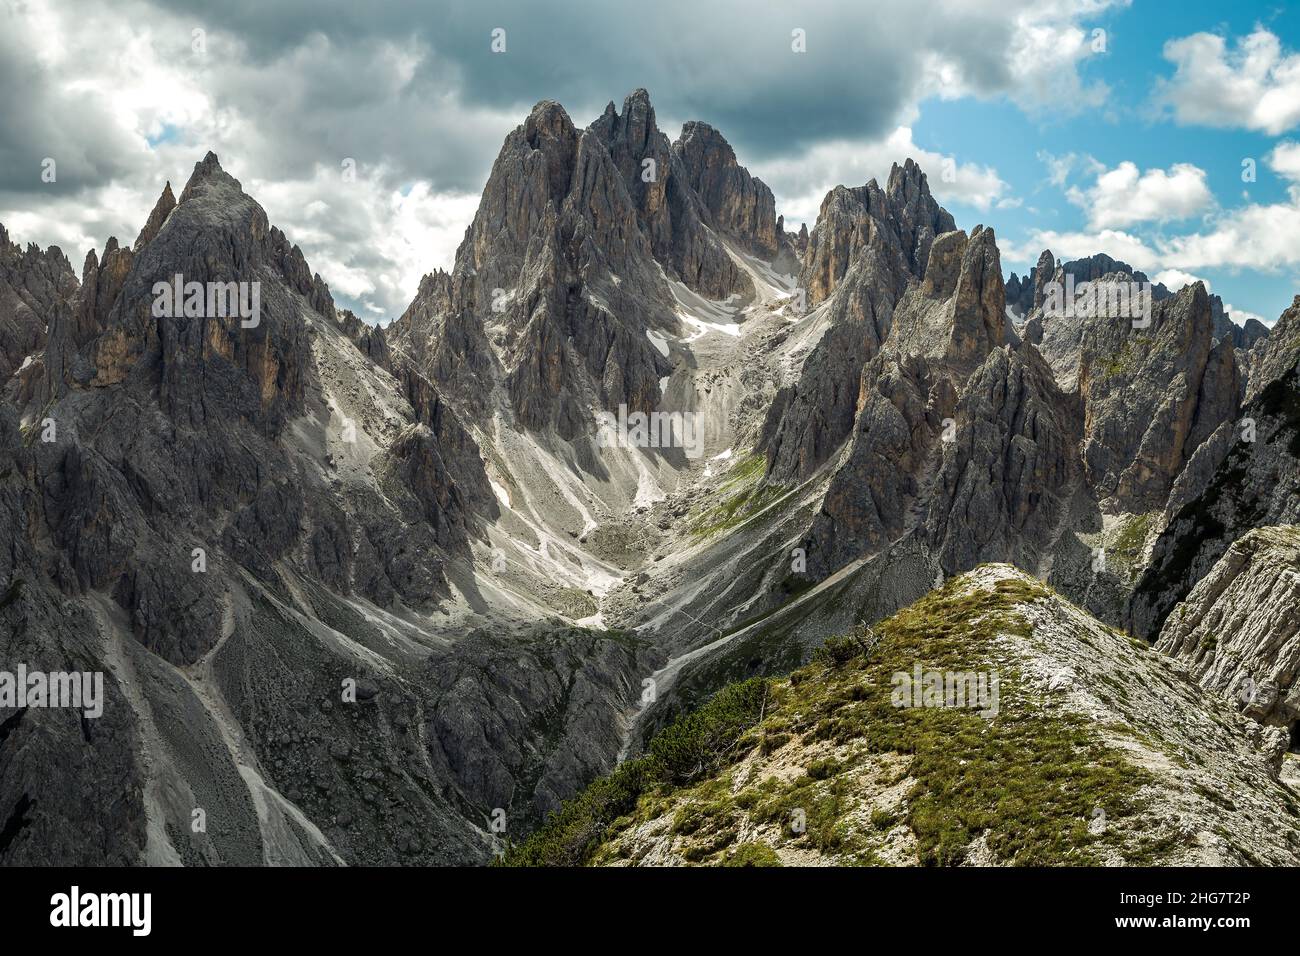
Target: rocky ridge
[[827, 766], [1237, 630]]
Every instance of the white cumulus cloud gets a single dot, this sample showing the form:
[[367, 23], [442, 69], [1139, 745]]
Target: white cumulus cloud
[[1175, 279], [1124, 196], [1241, 316], [1285, 161], [1254, 85]]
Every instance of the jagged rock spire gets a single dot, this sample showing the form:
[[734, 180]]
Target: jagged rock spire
[[161, 210], [904, 215]]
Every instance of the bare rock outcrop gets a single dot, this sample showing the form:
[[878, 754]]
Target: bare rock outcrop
[[556, 281], [904, 211], [810, 419], [739, 204], [1253, 469], [34, 283], [674, 216], [1151, 396], [1238, 632], [866, 248], [198, 455], [1004, 490], [943, 391]]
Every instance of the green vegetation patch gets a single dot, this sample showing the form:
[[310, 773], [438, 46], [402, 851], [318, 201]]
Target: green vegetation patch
[[694, 746], [743, 498], [1131, 535], [1027, 779], [752, 854]]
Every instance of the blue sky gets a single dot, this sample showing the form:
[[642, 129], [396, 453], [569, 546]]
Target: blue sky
[[1134, 125]]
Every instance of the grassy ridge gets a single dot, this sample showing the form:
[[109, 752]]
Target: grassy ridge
[[1027, 781]]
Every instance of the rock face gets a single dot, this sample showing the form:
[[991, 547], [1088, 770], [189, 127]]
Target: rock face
[[1152, 391], [68, 787], [867, 244], [1248, 476], [161, 210], [33, 284], [986, 446], [1280, 354], [565, 276], [1025, 299], [559, 270], [1152, 395], [1238, 631], [672, 214], [738, 203], [1245, 336], [904, 213], [446, 342], [1025, 296], [370, 339], [199, 511], [1005, 486], [956, 436], [479, 731]]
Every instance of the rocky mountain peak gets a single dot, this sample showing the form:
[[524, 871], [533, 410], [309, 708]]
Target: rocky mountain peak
[[979, 306], [738, 203], [161, 210], [1025, 296], [34, 284], [958, 311], [919, 217], [1042, 274], [904, 216], [1281, 351], [943, 267], [549, 131], [671, 213], [1134, 449], [570, 259], [209, 167], [636, 124], [907, 185]]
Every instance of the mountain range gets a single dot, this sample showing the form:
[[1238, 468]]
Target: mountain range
[[403, 594]]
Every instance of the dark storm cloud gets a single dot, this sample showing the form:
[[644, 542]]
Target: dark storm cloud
[[40, 120], [729, 63]]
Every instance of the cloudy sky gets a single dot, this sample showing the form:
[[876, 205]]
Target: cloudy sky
[[1166, 134]]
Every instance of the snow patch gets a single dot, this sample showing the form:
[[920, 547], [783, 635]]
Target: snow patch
[[704, 328], [705, 315], [500, 491]]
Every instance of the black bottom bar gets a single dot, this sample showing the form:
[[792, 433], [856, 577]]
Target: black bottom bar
[[369, 906]]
